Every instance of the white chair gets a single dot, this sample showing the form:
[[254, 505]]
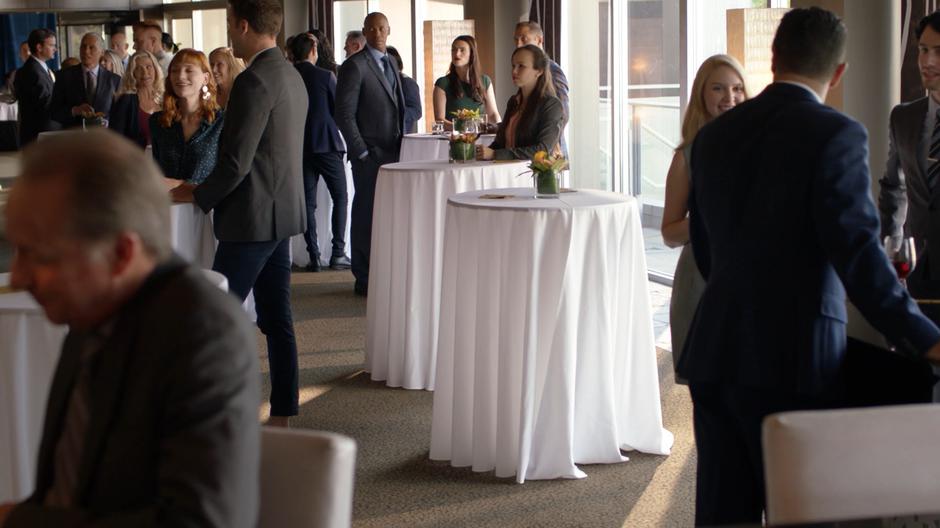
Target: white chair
[[852, 464], [217, 279], [306, 478]]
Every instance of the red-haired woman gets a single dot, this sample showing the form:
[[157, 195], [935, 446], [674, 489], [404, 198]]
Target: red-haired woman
[[185, 134]]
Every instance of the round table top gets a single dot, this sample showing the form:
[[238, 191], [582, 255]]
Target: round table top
[[524, 198], [443, 137], [447, 166]]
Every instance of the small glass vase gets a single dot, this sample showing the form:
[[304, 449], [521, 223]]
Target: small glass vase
[[547, 184], [89, 123], [461, 151]]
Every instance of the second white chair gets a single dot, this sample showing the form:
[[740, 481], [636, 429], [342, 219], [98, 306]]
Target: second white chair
[[306, 479], [852, 464]]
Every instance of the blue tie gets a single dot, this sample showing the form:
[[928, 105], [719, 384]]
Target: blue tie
[[390, 75]]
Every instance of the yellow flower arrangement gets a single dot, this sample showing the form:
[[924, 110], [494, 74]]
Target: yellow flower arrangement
[[466, 113], [544, 162]]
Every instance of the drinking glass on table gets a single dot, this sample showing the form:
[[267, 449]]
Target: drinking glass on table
[[437, 128], [902, 254]]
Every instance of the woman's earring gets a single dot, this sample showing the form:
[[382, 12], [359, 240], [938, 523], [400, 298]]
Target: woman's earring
[[205, 92]]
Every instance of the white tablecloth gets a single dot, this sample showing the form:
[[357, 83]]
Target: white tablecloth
[[546, 352], [298, 245], [404, 268], [191, 236], [421, 147], [29, 352], [8, 111]]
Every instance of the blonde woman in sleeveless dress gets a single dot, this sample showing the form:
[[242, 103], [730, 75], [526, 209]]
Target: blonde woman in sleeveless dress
[[718, 87]]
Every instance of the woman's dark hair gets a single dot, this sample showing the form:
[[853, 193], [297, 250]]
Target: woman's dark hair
[[325, 57], [395, 55], [544, 87], [455, 84]]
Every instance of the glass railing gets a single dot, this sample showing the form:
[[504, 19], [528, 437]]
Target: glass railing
[[655, 132]]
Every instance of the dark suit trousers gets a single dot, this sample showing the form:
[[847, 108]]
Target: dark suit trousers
[[923, 286], [729, 487], [265, 266], [330, 166], [364, 174]]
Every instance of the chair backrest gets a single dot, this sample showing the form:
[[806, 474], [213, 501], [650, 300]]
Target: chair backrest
[[306, 478], [852, 463]]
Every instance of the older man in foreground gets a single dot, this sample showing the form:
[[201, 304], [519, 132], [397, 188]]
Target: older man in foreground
[[152, 418]]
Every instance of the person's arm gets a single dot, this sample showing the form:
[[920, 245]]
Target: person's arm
[[675, 226], [847, 227], [412, 100], [551, 118], [440, 104], [348, 86], [698, 234], [492, 111], [892, 198], [331, 96], [241, 134], [561, 87]]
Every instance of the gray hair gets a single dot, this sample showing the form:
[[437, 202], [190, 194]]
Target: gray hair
[[129, 84], [98, 37], [114, 187], [357, 36]]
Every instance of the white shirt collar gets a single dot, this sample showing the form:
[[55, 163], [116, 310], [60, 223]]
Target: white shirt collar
[[94, 71], [805, 87]]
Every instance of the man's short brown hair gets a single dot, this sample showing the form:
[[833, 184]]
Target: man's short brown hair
[[263, 16], [148, 24]]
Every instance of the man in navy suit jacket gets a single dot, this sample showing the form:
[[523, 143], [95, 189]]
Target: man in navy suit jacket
[[782, 225], [33, 87], [323, 152], [86, 88]]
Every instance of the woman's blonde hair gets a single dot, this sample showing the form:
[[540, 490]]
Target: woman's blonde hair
[[129, 85], [696, 115], [235, 65], [208, 106], [116, 62]]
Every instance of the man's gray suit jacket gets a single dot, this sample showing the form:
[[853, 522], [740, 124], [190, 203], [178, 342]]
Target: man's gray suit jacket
[[257, 188], [906, 201], [368, 112], [173, 436]]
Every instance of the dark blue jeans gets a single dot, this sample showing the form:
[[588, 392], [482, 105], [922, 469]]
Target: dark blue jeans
[[330, 166], [265, 266]]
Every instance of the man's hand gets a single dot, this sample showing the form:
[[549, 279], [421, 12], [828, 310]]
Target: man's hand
[[182, 193], [82, 109], [172, 183], [933, 355], [5, 510]]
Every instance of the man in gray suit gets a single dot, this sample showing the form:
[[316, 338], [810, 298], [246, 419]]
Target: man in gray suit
[[152, 418], [257, 188], [910, 200], [370, 114]]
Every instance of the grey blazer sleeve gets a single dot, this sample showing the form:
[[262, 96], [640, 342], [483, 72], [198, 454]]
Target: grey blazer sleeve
[[549, 123], [347, 105], [244, 125], [892, 198]]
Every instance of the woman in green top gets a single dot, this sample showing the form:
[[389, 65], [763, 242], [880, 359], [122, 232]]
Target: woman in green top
[[464, 87]]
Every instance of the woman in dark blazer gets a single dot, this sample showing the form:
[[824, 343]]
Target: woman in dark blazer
[[534, 116], [141, 95]]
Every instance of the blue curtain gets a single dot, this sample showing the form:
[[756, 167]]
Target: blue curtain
[[15, 28]]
